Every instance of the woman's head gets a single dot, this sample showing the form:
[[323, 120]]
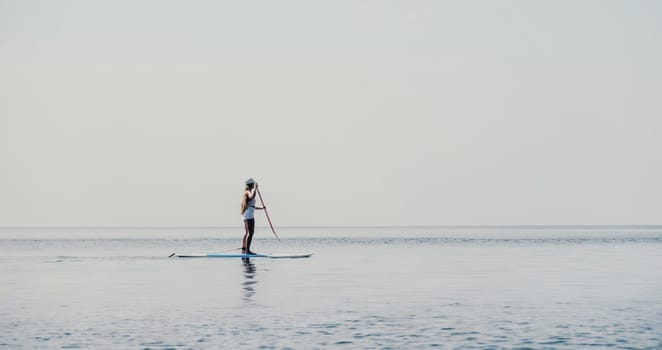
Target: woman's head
[[250, 183]]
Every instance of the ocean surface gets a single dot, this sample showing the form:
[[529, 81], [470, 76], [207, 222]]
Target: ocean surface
[[364, 288]]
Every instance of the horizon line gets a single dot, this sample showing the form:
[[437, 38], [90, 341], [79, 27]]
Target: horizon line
[[175, 227]]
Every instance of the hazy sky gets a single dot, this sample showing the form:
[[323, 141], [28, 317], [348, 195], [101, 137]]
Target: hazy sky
[[143, 113]]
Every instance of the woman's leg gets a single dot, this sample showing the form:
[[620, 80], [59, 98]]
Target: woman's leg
[[244, 241], [249, 226]]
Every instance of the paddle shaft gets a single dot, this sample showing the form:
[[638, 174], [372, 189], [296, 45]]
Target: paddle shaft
[[267, 214]]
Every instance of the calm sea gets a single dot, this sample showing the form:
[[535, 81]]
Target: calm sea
[[370, 288]]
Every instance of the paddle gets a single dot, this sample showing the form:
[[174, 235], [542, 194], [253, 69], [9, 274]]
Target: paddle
[[267, 213]]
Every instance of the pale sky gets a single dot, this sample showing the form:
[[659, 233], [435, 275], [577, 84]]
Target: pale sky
[[153, 113]]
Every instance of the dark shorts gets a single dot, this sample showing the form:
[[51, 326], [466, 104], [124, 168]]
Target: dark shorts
[[249, 225]]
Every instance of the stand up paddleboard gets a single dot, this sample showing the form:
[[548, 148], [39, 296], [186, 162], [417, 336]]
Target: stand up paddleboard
[[244, 256]]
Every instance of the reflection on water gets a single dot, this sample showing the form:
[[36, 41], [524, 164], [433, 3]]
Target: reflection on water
[[249, 279]]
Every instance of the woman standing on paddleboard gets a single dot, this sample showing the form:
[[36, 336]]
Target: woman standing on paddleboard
[[248, 212]]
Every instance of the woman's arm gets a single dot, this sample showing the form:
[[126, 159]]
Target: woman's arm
[[254, 192]]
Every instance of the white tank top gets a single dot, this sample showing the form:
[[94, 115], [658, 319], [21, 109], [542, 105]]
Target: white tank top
[[250, 209]]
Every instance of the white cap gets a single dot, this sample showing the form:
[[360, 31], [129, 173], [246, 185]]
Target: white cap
[[250, 181]]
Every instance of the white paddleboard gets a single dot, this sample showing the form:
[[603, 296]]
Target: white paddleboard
[[244, 256]]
